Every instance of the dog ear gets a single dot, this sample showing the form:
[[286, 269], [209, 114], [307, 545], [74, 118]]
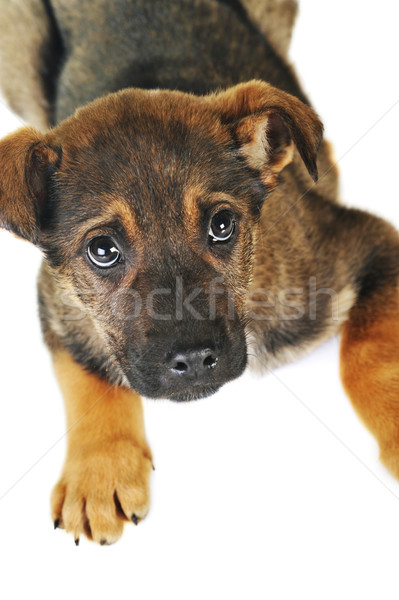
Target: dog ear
[[266, 122], [26, 163]]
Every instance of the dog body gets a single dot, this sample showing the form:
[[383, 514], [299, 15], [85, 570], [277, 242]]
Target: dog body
[[181, 224]]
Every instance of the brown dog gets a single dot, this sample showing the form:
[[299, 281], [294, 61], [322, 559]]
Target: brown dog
[[167, 245]]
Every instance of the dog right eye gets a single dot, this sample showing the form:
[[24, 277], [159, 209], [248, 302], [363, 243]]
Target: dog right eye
[[102, 252]]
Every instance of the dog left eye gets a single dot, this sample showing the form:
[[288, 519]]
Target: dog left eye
[[222, 226], [103, 252]]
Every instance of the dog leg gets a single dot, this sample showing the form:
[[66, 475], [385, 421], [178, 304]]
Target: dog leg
[[105, 480], [370, 368]]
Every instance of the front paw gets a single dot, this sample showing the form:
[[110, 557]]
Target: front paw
[[103, 485]]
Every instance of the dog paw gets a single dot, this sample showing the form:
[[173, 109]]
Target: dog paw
[[101, 488]]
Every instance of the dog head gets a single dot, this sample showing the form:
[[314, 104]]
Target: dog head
[[146, 206]]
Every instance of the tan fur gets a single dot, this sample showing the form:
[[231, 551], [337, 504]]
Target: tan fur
[[107, 456], [370, 370], [256, 153], [21, 53], [275, 19]]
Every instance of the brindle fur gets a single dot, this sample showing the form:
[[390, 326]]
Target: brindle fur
[[148, 166]]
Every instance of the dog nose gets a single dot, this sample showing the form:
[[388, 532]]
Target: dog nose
[[193, 364]]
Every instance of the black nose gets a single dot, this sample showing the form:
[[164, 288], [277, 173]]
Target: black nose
[[193, 364]]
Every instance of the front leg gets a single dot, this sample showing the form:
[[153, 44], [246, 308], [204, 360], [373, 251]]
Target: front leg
[[370, 368], [105, 479]]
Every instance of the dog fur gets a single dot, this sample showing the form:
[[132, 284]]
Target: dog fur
[[196, 132]]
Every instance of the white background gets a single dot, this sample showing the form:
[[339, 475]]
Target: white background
[[270, 489]]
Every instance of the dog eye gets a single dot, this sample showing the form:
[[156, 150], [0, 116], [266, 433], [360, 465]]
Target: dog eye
[[103, 252], [222, 226]]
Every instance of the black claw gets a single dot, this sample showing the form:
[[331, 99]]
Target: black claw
[[77, 542], [56, 523], [135, 519], [153, 468], [103, 542]]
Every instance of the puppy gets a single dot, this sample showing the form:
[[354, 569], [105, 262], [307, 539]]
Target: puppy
[[180, 221]]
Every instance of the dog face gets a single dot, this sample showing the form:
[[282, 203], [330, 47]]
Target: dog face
[[146, 206]]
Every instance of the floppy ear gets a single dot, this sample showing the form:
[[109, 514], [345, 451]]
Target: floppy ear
[[26, 163], [266, 123]]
